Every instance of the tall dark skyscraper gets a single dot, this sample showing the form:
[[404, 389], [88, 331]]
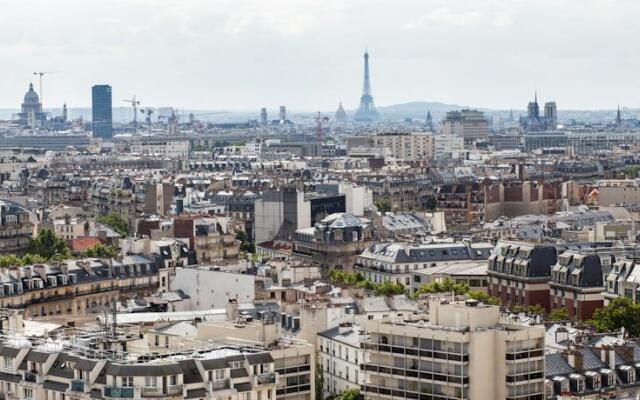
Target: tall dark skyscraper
[[101, 111], [367, 111]]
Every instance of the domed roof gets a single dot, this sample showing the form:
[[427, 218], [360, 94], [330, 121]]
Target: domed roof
[[31, 97]]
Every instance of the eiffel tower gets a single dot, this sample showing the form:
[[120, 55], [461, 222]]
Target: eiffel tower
[[367, 111]]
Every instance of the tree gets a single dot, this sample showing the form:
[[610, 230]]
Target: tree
[[388, 288], [245, 244], [383, 205], [116, 222], [349, 394], [48, 246], [622, 312], [100, 251], [447, 285], [483, 297], [559, 314], [432, 203]]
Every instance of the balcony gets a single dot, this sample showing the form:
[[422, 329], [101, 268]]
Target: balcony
[[77, 385], [118, 393], [30, 377], [265, 379]]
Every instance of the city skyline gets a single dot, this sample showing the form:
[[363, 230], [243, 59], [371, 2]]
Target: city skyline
[[245, 55]]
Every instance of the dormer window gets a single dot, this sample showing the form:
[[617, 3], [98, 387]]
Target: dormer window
[[8, 362]]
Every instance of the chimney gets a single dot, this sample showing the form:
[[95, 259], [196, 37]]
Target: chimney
[[232, 310], [575, 358], [562, 334], [64, 268], [626, 351], [15, 272]]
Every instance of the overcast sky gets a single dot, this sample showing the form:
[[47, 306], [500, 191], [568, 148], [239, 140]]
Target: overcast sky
[[307, 54]]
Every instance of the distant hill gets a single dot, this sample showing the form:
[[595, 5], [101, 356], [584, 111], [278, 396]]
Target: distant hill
[[418, 110]]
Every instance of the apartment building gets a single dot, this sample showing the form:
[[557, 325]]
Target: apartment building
[[401, 147], [16, 228], [177, 149], [32, 369], [463, 204], [77, 287], [405, 147], [340, 356], [398, 262], [334, 242], [447, 147], [448, 356], [576, 283], [402, 191], [578, 277]]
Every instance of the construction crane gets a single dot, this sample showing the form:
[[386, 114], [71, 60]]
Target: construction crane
[[40, 75], [320, 120], [147, 111], [134, 103]]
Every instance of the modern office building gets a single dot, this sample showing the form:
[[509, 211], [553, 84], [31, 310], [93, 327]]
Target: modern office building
[[468, 124], [101, 112]]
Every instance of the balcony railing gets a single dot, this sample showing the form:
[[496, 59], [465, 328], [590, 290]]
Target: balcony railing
[[266, 379], [77, 385], [118, 393]]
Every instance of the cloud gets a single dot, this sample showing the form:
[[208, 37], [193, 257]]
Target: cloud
[[496, 15]]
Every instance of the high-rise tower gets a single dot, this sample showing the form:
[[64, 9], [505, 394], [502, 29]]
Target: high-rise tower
[[101, 111], [367, 111]]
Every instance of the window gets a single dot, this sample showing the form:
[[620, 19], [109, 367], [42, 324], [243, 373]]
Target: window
[[218, 374], [174, 380], [8, 362], [127, 381], [235, 364], [28, 393], [150, 381]]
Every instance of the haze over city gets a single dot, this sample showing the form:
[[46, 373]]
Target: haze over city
[[242, 55], [319, 200]]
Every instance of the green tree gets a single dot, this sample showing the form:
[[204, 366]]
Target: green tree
[[10, 260], [245, 244], [349, 394], [432, 203], [388, 288], [100, 251], [559, 314], [383, 205], [622, 312], [483, 297], [116, 222], [447, 285], [536, 309], [48, 246]]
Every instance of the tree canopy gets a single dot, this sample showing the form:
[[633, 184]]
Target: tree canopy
[[100, 251], [383, 205], [622, 312], [116, 222], [559, 314], [48, 246], [386, 288]]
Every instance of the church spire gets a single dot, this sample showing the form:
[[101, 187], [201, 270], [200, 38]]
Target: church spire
[[618, 117]]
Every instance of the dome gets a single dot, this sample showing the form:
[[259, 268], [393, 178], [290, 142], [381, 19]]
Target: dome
[[31, 97]]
